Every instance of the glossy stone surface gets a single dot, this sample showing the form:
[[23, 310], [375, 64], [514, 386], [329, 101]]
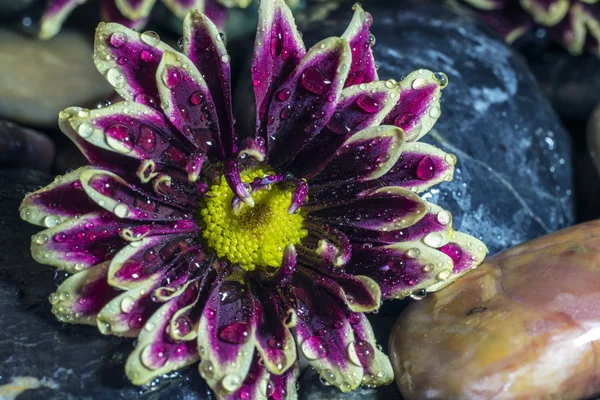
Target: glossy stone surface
[[526, 324], [22, 147]]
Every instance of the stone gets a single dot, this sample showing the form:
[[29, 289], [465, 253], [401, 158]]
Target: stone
[[22, 147], [513, 180], [526, 324], [593, 137], [65, 362], [41, 78]]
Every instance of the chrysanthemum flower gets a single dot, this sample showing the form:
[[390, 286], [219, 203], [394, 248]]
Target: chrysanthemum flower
[[573, 23], [243, 254], [134, 13]]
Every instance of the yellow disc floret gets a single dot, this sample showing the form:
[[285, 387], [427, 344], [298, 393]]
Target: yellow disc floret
[[257, 236]]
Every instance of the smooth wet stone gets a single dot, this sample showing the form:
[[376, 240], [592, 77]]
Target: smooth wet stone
[[593, 137], [22, 147], [41, 78], [526, 325], [73, 361]]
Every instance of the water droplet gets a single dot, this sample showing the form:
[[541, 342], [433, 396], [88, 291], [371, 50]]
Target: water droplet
[[149, 326], [225, 58], [196, 98], [235, 333], [391, 83], [413, 252], [40, 239], [314, 348], [115, 77], [151, 38], [443, 275], [207, 369], [127, 304], [361, 353], [434, 239], [118, 40], [121, 210], [119, 138], [327, 377], [427, 268], [85, 130], [435, 112], [53, 299], [425, 169], [444, 217], [284, 94], [231, 382], [51, 221], [154, 356], [367, 103], [313, 80], [419, 294], [372, 39], [450, 159], [419, 83], [441, 78], [147, 55], [172, 78], [221, 37], [180, 43]]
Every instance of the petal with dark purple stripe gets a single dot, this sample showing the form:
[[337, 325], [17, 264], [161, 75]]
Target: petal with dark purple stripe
[[282, 387], [366, 155], [255, 385], [188, 104], [402, 268], [510, 21], [365, 352], [387, 208], [156, 353], [360, 107], [81, 296], [324, 334], [79, 243], [54, 15], [362, 69], [182, 7], [253, 147], [58, 202], [418, 107], [226, 336], [277, 50], [205, 47], [314, 89], [334, 238], [110, 12], [128, 60], [274, 341]]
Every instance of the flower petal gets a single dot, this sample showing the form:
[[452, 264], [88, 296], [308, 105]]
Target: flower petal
[[307, 99], [148, 259], [110, 12], [418, 107], [402, 268], [365, 352], [360, 107], [182, 7], [81, 296], [510, 21], [226, 336], [205, 47], [54, 15], [255, 385], [79, 243], [216, 12], [188, 104], [362, 69], [546, 12], [129, 60], [156, 353], [277, 50], [282, 387], [366, 155], [58, 202], [324, 334], [487, 4], [387, 208], [135, 9]]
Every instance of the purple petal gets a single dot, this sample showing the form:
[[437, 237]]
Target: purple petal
[[324, 334], [298, 196], [135, 9], [254, 385], [360, 107], [182, 7], [306, 100], [216, 12], [129, 60], [418, 107], [205, 47], [388, 208], [284, 274], [254, 147], [79, 243], [234, 180], [366, 155], [362, 69], [156, 353], [54, 15], [510, 21], [58, 202], [274, 341], [110, 136], [277, 51], [283, 387], [81, 296], [226, 336], [188, 104], [110, 12], [335, 241]]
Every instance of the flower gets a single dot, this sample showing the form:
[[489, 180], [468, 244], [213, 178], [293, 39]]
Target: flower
[[133, 13], [573, 23], [239, 254]]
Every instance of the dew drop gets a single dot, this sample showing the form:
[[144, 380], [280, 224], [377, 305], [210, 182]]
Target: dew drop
[[172, 78], [418, 294], [119, 138], [367, 103], [196, 98], [427, 268], [231, 382], [118, 40], [444, 217], [435, 112], [425, 169], [151, 38], [284, 94], [314, 348], [121, 210], [419, 83], [149, 326], [413, 252], [85, 130], [40, 239], [434, 239], [313, 80], [207, 369], [443, 275], [154, 356], [51, 221], [235, 333], [372, 39], [441, 78], [115, 77], [127, 304], [450, 159]]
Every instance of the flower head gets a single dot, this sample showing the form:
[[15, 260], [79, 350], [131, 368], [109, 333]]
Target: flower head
[[573, 23], [240, 253]]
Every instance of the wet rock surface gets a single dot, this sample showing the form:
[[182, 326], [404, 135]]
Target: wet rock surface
[[72, 361], [22, 147], [513, 178], [523, 325], [41, 78]]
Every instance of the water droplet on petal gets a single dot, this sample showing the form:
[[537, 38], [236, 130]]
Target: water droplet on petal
[[441, 78], [51, 221], [231, 382], [115, 77], [425, 169], [444, 217], [119, 138], [367, 103], [235, 333], [435, 112], [118, 40], [313, 80], [450, 159], [127, 304], [434, 239], [121, 210], [85, 130], [413, 252], [443, 275], [314, 348], [154, 356], [419, 83], [207, 369], [151, 38]]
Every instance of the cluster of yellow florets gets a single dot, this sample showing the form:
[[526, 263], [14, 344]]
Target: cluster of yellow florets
[[258, 235]]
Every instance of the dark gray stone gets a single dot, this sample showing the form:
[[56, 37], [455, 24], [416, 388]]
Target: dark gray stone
[[74, 361], [23, 147]]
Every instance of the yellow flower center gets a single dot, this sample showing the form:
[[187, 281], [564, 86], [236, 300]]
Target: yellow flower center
[[257, 236]]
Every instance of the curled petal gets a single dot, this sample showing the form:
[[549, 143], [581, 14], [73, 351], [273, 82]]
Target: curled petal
[[307, 99], [283, 387], [226, 336], [254, 147], [110, 12], [188, 104], [418, 107], [234, 180], [334, 238], [362, 69], [205, 47], [546, 12], [182, 7], [155, 353], [283, 276], [54, 15], [80, 243], [298, 196], [194, 166], [129, 60], [277, 51], [384, 209], [81, 296], [58, 202]]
